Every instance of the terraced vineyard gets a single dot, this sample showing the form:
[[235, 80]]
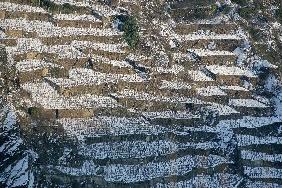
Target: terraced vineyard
[[182, 109]]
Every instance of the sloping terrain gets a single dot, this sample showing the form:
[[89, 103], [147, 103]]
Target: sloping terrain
[[187, 101]]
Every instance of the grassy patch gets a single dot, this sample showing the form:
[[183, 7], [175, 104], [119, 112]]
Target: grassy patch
[[269, 55], [240, 2], [247, 12], [131, 31], [214, 9], [279, 14], [34, 111], [225, 9], [255, 33]]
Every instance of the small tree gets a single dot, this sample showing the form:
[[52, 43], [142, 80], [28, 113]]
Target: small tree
[[279, 14], [240, 2], [131, 30]]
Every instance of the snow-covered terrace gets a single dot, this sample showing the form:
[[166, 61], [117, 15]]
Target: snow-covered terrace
[[31, 65], [201, 180], [174, 69], [174, 85], [104, 10], [210, 91], [76, 17], [109, 126], [67, 51], [199, 76], [80, 3], [81, 73], [207, 36], [252, 155], [149, 97], [101, 9], [87, 77], [48, 98], [206, 52], [170, 115], [13, 7], [47, 29], [249, 122], [25, 45], [247, 140], [114, 63], [229, 70], [235, 88], [64, 51], [263, 172], [146, 171], [117, 48], [179, 56], [222, 19], [251, 103], [31, 44], [222, 109], [118, 150]]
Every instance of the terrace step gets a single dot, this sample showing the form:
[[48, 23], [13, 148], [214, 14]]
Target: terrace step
[[13, 11], [38, 69], [230, 75], [208, 40], [78, 21], [213, 27], [149, 102], [49, 100], [251, 107], [82, 81]]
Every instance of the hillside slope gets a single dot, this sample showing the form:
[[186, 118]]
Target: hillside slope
[[140, 93]]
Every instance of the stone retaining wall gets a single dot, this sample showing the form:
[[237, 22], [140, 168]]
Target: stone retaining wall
[[8, 41], [36, 74]]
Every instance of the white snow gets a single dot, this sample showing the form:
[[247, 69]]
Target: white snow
[[235, 88], [13, 7], [222, 109], [31, 65], [199, 76], [263, 172], [250, 103], [174, 85], [206, 52], [170, 115], [229, 70], [82, 17], [252, 155], [48, 98], [139, 149], [249, 122], [48, 29], [179, 166], [158, 98], [217, 180], [117, 48], [246, 140], [174, 69], [107, 126], [210, 91], [202, 35]]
